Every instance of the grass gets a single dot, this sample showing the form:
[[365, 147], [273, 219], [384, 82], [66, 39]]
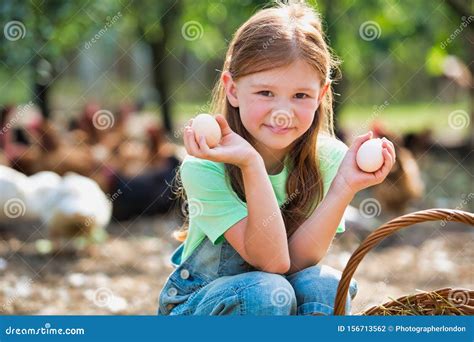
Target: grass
[[403, 118]]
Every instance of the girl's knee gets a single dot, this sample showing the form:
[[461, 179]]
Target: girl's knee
[[322, 277], [316, 289], [268, 294]]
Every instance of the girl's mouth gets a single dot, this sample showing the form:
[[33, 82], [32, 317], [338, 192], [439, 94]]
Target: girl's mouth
[[278, 130]]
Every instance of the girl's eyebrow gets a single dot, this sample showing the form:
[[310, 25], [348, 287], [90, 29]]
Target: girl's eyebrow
[[306, 89], [261, 85], [268, 86]]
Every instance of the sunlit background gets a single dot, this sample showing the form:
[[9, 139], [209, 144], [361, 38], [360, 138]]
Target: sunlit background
[[94, 96]]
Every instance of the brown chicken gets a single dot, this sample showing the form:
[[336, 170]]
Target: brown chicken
[[403, 184], [59, 156]]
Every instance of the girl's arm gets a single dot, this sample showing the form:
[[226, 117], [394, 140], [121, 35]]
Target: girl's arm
[[264, 247], [311, 241]]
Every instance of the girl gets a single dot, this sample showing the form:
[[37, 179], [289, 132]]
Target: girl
[[265, 204]]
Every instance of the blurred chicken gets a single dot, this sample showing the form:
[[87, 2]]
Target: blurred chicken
[[72, 207], [41, 187], [13, 194], [33, 144], [77, 208], [15, 140], [3, 158], [59, 156], [404, 182], [419, 142]]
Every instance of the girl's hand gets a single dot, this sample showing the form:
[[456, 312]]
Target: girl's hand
[[232, 149], [351, 179]]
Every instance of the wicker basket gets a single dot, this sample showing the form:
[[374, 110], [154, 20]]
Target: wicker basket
[[447, 301]]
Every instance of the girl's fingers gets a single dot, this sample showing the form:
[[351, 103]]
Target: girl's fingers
[[186, 139], [225, 128], [360, 140], [388, 163], [391, 148], [205, 150], [193, 147]]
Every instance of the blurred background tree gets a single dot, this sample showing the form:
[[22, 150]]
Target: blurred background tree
[[167, 54]]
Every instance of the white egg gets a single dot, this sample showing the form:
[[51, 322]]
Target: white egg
[[205, 125], [369, 157]]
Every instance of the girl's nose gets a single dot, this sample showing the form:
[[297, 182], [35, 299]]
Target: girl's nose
[[282, 118]]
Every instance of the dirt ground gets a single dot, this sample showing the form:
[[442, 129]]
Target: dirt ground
[[124, 274]]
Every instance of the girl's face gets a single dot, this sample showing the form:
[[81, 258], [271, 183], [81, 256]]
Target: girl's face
[[276, 106]]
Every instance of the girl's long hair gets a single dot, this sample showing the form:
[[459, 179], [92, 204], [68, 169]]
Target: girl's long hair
[[276, 37]]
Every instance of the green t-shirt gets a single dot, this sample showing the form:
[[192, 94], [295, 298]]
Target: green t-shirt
[[214, 207]]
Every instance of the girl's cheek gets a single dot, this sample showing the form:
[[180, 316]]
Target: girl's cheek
[[253, 113], [306, 116]]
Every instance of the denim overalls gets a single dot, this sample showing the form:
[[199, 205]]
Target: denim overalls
[[215, 280]]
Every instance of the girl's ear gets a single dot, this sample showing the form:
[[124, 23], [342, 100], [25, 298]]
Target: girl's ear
[[324, 90], [230, 88]]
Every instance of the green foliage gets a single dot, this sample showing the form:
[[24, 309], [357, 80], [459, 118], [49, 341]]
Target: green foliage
[[409, 42]]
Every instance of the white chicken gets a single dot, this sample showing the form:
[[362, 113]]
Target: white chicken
[[77, 208], [70, 207], [13, 189], [41, 188]]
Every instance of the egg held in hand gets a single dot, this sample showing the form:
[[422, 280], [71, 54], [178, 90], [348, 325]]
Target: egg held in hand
[[369, 157], [205, 125]]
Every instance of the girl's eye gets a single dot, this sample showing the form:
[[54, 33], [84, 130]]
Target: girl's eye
[[265, 93], [301, 96]]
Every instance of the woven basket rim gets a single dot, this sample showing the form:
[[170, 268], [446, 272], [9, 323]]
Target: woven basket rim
[[385, 230]]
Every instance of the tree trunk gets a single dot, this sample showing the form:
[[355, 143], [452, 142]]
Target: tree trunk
[[161, 66], [161, 82], [41, 95]]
